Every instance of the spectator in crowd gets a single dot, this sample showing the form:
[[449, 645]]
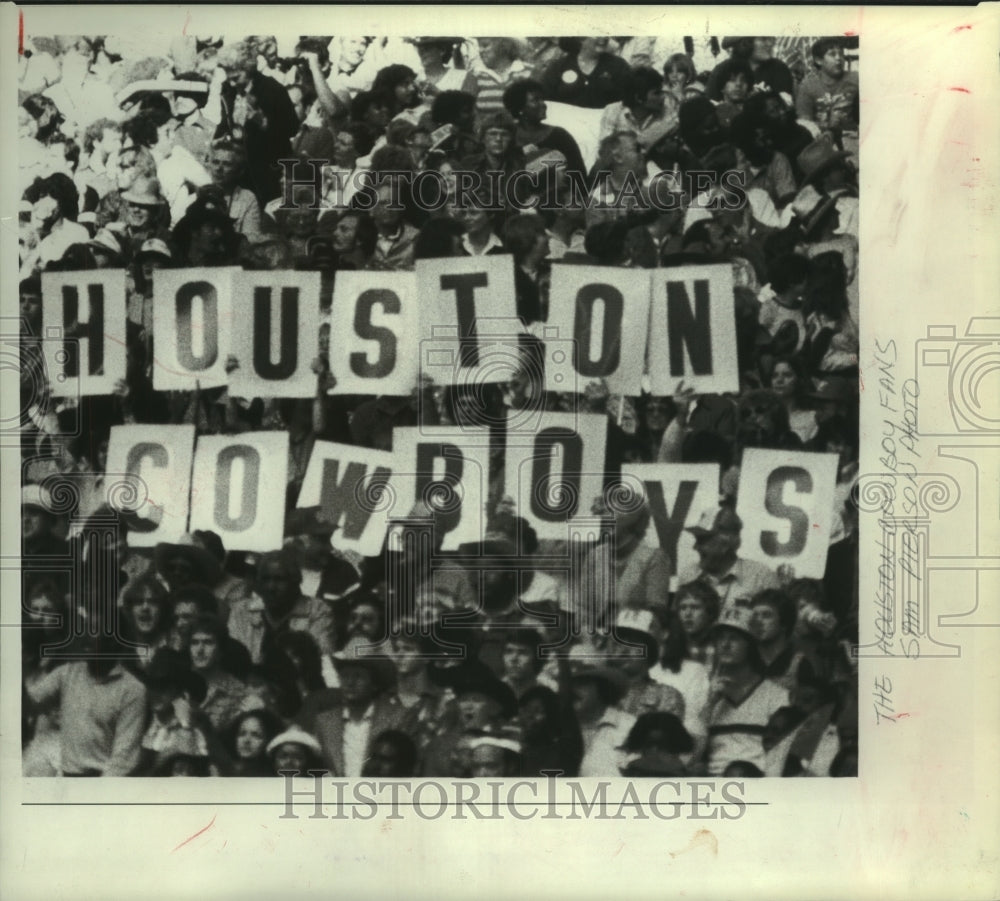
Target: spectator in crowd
[[742, 700], [735, 78], [226, 162], [146, 616], [588, 75], [393, 756], [102, 713], [550, 735], [828, 95], [395, 237], [678, 74], [641, 649], [367, 708], [499, 67], [774, 616], [647, 111], [225, 693], [53, 217], [787, 381], [257, 112], [247, 739], [525, 101], [277, 606], [597, 691], [657, 745], [295, 752], [438, 74], [717, 540], [453, 115]]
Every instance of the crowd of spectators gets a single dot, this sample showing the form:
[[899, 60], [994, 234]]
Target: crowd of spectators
[[251, 664]]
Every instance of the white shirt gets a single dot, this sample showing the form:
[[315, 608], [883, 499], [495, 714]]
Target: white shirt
[[692, 683], [493, 241], [180, 174], [602, 741], [356, 734]]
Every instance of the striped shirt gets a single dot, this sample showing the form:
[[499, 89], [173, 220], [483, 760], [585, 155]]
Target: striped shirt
[[492, 85]]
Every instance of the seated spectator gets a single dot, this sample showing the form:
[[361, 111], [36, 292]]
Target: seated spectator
[[540, 143], [225, 694], [393, 756], [277, 606], [453, 115], [295, 752], [226, 163], [678, 74], [597, 691], [828, 95], [498, 67], [787, 380], [717, 541], [774, 616], [647, 111], [735, 79], [588, 75], [395, 237], [657, 744], [246, 742], [742, 699]]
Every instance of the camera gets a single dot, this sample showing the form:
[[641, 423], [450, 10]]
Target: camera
[[959, 378]]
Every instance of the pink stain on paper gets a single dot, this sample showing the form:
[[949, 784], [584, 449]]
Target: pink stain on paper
[[193, 837]]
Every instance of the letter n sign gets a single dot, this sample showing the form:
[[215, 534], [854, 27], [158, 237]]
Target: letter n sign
[[692, 330]]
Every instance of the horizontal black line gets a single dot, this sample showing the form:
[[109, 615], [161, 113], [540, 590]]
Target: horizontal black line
[[482, 803]]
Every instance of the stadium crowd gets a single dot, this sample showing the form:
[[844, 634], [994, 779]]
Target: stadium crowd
[[249, 664]]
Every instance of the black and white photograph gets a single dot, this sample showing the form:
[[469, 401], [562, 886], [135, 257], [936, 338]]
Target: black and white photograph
[[685, 245], [423, 416]]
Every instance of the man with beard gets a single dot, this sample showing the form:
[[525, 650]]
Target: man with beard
[[717, 541]]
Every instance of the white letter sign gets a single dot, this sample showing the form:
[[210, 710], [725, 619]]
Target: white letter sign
[[88, 306], [692, 330], [275, 333], [786, 504], [372, 350], [469, 323], [157, 461], [192, 322], [238, 489]]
